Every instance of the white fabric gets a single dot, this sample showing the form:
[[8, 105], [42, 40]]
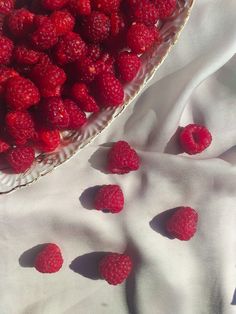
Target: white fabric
[[197, 83]]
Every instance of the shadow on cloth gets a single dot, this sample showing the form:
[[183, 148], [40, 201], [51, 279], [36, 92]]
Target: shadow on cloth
[[28, 257]]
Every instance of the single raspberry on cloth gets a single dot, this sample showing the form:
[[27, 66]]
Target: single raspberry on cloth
[[115, 268], [109, 198], [49, 260]]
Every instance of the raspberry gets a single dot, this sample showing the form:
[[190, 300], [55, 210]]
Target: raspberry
[[47, 140], [82, 7], [109, 90], [70, 48], [6, 50], [106, 64], [183, 223], [25, 55], [45, 36], [122, 158], [5, 75], [20, 158], [109, 198], [107, 6], [39, 20], [89, 105], [20, 22], [54, 113], [4, 146], [20, 126], [86, 70], [128, 65], [77, 117], [96, 27], [63, 21], [53, 5], [6, 6], [115, 268], [50, 91], [165, 7], [80, 93], [140, 38], [145, 12], [21, 93], [194, 139], [117, 24], [94, 52], [49, 260], [2, 21]]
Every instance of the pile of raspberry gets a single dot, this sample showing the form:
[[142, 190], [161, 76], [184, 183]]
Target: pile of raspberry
[[63, 59]]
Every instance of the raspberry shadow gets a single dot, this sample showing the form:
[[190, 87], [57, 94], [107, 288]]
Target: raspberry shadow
[[28, 257]]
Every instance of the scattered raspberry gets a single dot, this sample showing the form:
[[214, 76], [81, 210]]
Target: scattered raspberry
[[145, 12], [4, 146], [107, 6], [45, 36], [109, 198], [5, 75], [77, 117], [82, 7], [6, 6], [115, 268], [140, 38], [96, 27], [86, 70], [117, 24], [195, 138], [6, 50], [20, 126], [165, 7], [70, 48], [128, 65], [63, 21], [54, 113], [20, 22], [183, 223], [20, 158], [25, 55], [49, 260], [47, 140], [109, 90], [122, 158], [53, 5], [21, 93], [94, 52]]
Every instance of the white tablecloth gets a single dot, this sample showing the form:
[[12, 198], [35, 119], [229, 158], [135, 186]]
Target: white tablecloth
[[197, 83]]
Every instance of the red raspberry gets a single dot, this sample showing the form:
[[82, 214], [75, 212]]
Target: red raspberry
[[128, 65], [115, 268], [145, 12], [70, 48], [6, 50], [54, 113], [183, 223], [20, 126], [47, 140], [94, 52], [76, 116], [195, 138], [6, 6], [122, 158], [39, 20], [86, 70], [109, 198], [2, 21], [49, 260], [24, 55], [5, 75], [20, 158], [109, 90], [165, 7], [53, 5], [89, 105], [63, 21], [20, 22], [107, 6], [50, 91], [4, 146], [106, 64], [140, 38], [82, 7], [45, 36], [117, 24], [96, 27], [21, 93], [80, 93]]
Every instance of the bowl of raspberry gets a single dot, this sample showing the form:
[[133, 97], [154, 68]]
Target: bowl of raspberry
[[68, 69]]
